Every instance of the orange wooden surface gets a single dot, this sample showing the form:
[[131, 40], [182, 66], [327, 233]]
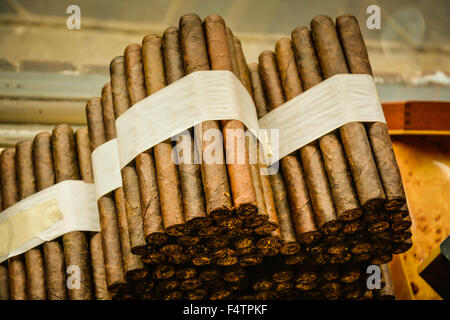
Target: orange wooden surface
[[424, 163]]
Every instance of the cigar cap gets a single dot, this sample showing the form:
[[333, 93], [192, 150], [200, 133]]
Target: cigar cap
[[253, 66], [171, 30], [346, 16], [42, 135], [188, 18], [266, 53], [116, 60], [106, 86], [132, 47], [301, 30], [214, 18], [282, 42], [322, 19], [152, 38]]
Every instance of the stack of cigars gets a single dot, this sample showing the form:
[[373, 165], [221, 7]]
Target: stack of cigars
[[220, 230]]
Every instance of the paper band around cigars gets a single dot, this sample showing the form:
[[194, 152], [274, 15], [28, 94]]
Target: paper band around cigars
[[46, 215], [219, 95]]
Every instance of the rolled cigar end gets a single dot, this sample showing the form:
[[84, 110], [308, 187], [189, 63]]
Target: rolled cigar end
[[214, 18], [132, 47]]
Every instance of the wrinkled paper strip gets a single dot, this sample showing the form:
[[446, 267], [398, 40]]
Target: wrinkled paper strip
[[46, 215], [198, 97], [106, 168], [325, 107]]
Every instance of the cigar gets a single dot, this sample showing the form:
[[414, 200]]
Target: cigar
[[34, 261], [16, 266], [166, 171], [355, 52], [335, 164], [74, 243], [55, 271], [4, 284], [321, 199], [353, 135], [294, 178], [132, 264], [107, 211], [99, 275], [241, 182], [350, 272], [387, 291], [189, 173], [138, 230], [214, 175]]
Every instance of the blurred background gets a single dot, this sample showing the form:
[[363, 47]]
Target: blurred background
[[47, 72]]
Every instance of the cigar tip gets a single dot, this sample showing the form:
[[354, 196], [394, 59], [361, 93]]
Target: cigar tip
[[132, 47], [300, 30], [170, 31], [253, 66], [106, 86], [189, 17], [24, 143], [214, 18], [321, 19], [63, 127], [283, 42], [346, 16], [116, 60], [266, 53], [82, 131], [8, 152], [42, 135], [152, 38]]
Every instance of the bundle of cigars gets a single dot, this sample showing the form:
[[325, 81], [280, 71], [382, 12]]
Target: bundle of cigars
[[219, 230]]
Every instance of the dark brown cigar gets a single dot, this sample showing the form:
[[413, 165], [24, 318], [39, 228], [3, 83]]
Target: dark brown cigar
[[107, 210], [34, 261], [302, 213], [137, 231], [353, 135], [242, 189], [75, 245], [358, 62], [345, 199], [132, 263], [190, 173], [214, 175], [321, 199], [166, 171], [16, 265], [55, 271], [95, 240], [4, 283]]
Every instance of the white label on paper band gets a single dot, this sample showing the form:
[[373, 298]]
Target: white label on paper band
[[325, 107], [106, 168], [46, 215], [198, 97]]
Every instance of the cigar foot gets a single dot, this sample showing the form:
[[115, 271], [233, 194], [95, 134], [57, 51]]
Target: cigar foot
[[350, 215], [176, 230], [247, 211], [378, 227], [330, 227], [156, 238], [394, 204], [374, 205], [220, 213], [309, 237], [289, 248]]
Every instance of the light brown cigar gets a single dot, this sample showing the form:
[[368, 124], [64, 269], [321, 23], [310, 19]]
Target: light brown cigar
[[241, 71], [4, 283], [75, 245], [242, 189], [190, 173], [319, 191], [55, 271], [121, 102], [16, 265], [34, 261], [355, 51], [95, 240], [166, 171], [353, 135], [132, 263], [214, 175], [107, 210], [302, 213], [345, 199]]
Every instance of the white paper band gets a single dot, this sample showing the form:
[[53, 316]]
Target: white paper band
[[198, 97], [106, 168], [65, 207], [325, 107]]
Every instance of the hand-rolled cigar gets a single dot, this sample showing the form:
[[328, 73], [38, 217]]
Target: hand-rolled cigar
[[355, 51], [353, 227], [353, 135], [251, 259], [187, 272], [132, 264], [137, 228], [329, 273], [340, 183], [55, 272], [403, 246], [109, 228], [16, 265], [241, 183], [166, 171], [319, 191], [196, 294], [74, 243], [34, 260], [154, 257], [214, 175], [190, 284], [302, 213], [298, 258], [163, 271], [225, 257], [387, 291], [234, 274], [401, 236], [305, 273], [219, 290], [208, 273], [402, 224], [95, 241], [399, 214], [350, 272], [189, 173]]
